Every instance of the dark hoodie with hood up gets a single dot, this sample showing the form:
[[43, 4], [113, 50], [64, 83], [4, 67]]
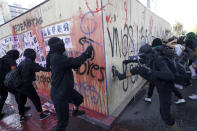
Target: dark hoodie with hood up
[[9, 60], [61, 68], [28, 67]]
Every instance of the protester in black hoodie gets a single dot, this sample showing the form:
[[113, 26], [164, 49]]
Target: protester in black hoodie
[[28, 68], [8, 64], [62, 91], [157, 72], [163, 78]]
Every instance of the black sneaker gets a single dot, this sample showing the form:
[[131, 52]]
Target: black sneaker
[[22, 118], [78, 113], [2, 115], [27, 108], [44, 116]]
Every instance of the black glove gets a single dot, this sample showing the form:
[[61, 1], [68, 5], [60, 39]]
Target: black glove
[[140, 70], [129, 61], [134, 71], [143, 70], [89, 51], [125, 62]]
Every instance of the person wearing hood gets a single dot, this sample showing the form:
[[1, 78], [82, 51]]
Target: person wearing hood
[[192, 37], [157, 72], [27, 68], [159, 47], [163, 78], [62, 90], [8, 64]]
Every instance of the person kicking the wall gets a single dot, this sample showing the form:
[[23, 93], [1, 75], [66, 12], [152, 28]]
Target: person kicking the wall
[[62, 90]]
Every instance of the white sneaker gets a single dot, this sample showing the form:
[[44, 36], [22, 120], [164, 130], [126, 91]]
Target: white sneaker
[[178, 86], [28, 115], [193, 97], [147, 100], [180, 101]]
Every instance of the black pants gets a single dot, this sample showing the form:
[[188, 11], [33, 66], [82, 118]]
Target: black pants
[[62, 109], [17, 95], [29, 92], [76, 98], [177, 93], [3, 97], [165, 104], [151, 89]]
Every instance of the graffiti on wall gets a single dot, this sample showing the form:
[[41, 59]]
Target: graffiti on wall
[[27, 24], [90, 77], [124, 41], [85, 27]]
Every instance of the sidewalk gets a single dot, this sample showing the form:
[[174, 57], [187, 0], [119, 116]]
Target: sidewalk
[[138, 116]]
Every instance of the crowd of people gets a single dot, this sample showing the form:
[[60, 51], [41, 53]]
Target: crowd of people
[[168, 66], [62, 91]]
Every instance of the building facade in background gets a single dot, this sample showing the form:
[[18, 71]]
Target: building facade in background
[[8, 12], [15, 10]]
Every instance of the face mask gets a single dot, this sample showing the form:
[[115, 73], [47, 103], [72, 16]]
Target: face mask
[[147, 58]]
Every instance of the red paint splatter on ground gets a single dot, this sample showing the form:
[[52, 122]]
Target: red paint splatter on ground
[[117, 128], [33, 123]]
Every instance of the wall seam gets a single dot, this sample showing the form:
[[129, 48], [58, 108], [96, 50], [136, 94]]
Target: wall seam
[[105, 60]]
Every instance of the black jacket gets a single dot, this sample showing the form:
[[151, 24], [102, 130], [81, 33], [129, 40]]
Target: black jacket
[[7, 63], [28, 68], [62, 75], [160, 74]]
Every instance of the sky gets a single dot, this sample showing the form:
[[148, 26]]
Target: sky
[[26, 3], [183, 11]]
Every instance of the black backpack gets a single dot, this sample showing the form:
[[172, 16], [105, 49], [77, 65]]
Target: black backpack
[[181, 73], [13, 79], [177, 64]]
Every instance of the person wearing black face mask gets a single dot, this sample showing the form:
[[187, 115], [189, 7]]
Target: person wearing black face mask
[[62, 90], [27, 69], [159, 73]]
